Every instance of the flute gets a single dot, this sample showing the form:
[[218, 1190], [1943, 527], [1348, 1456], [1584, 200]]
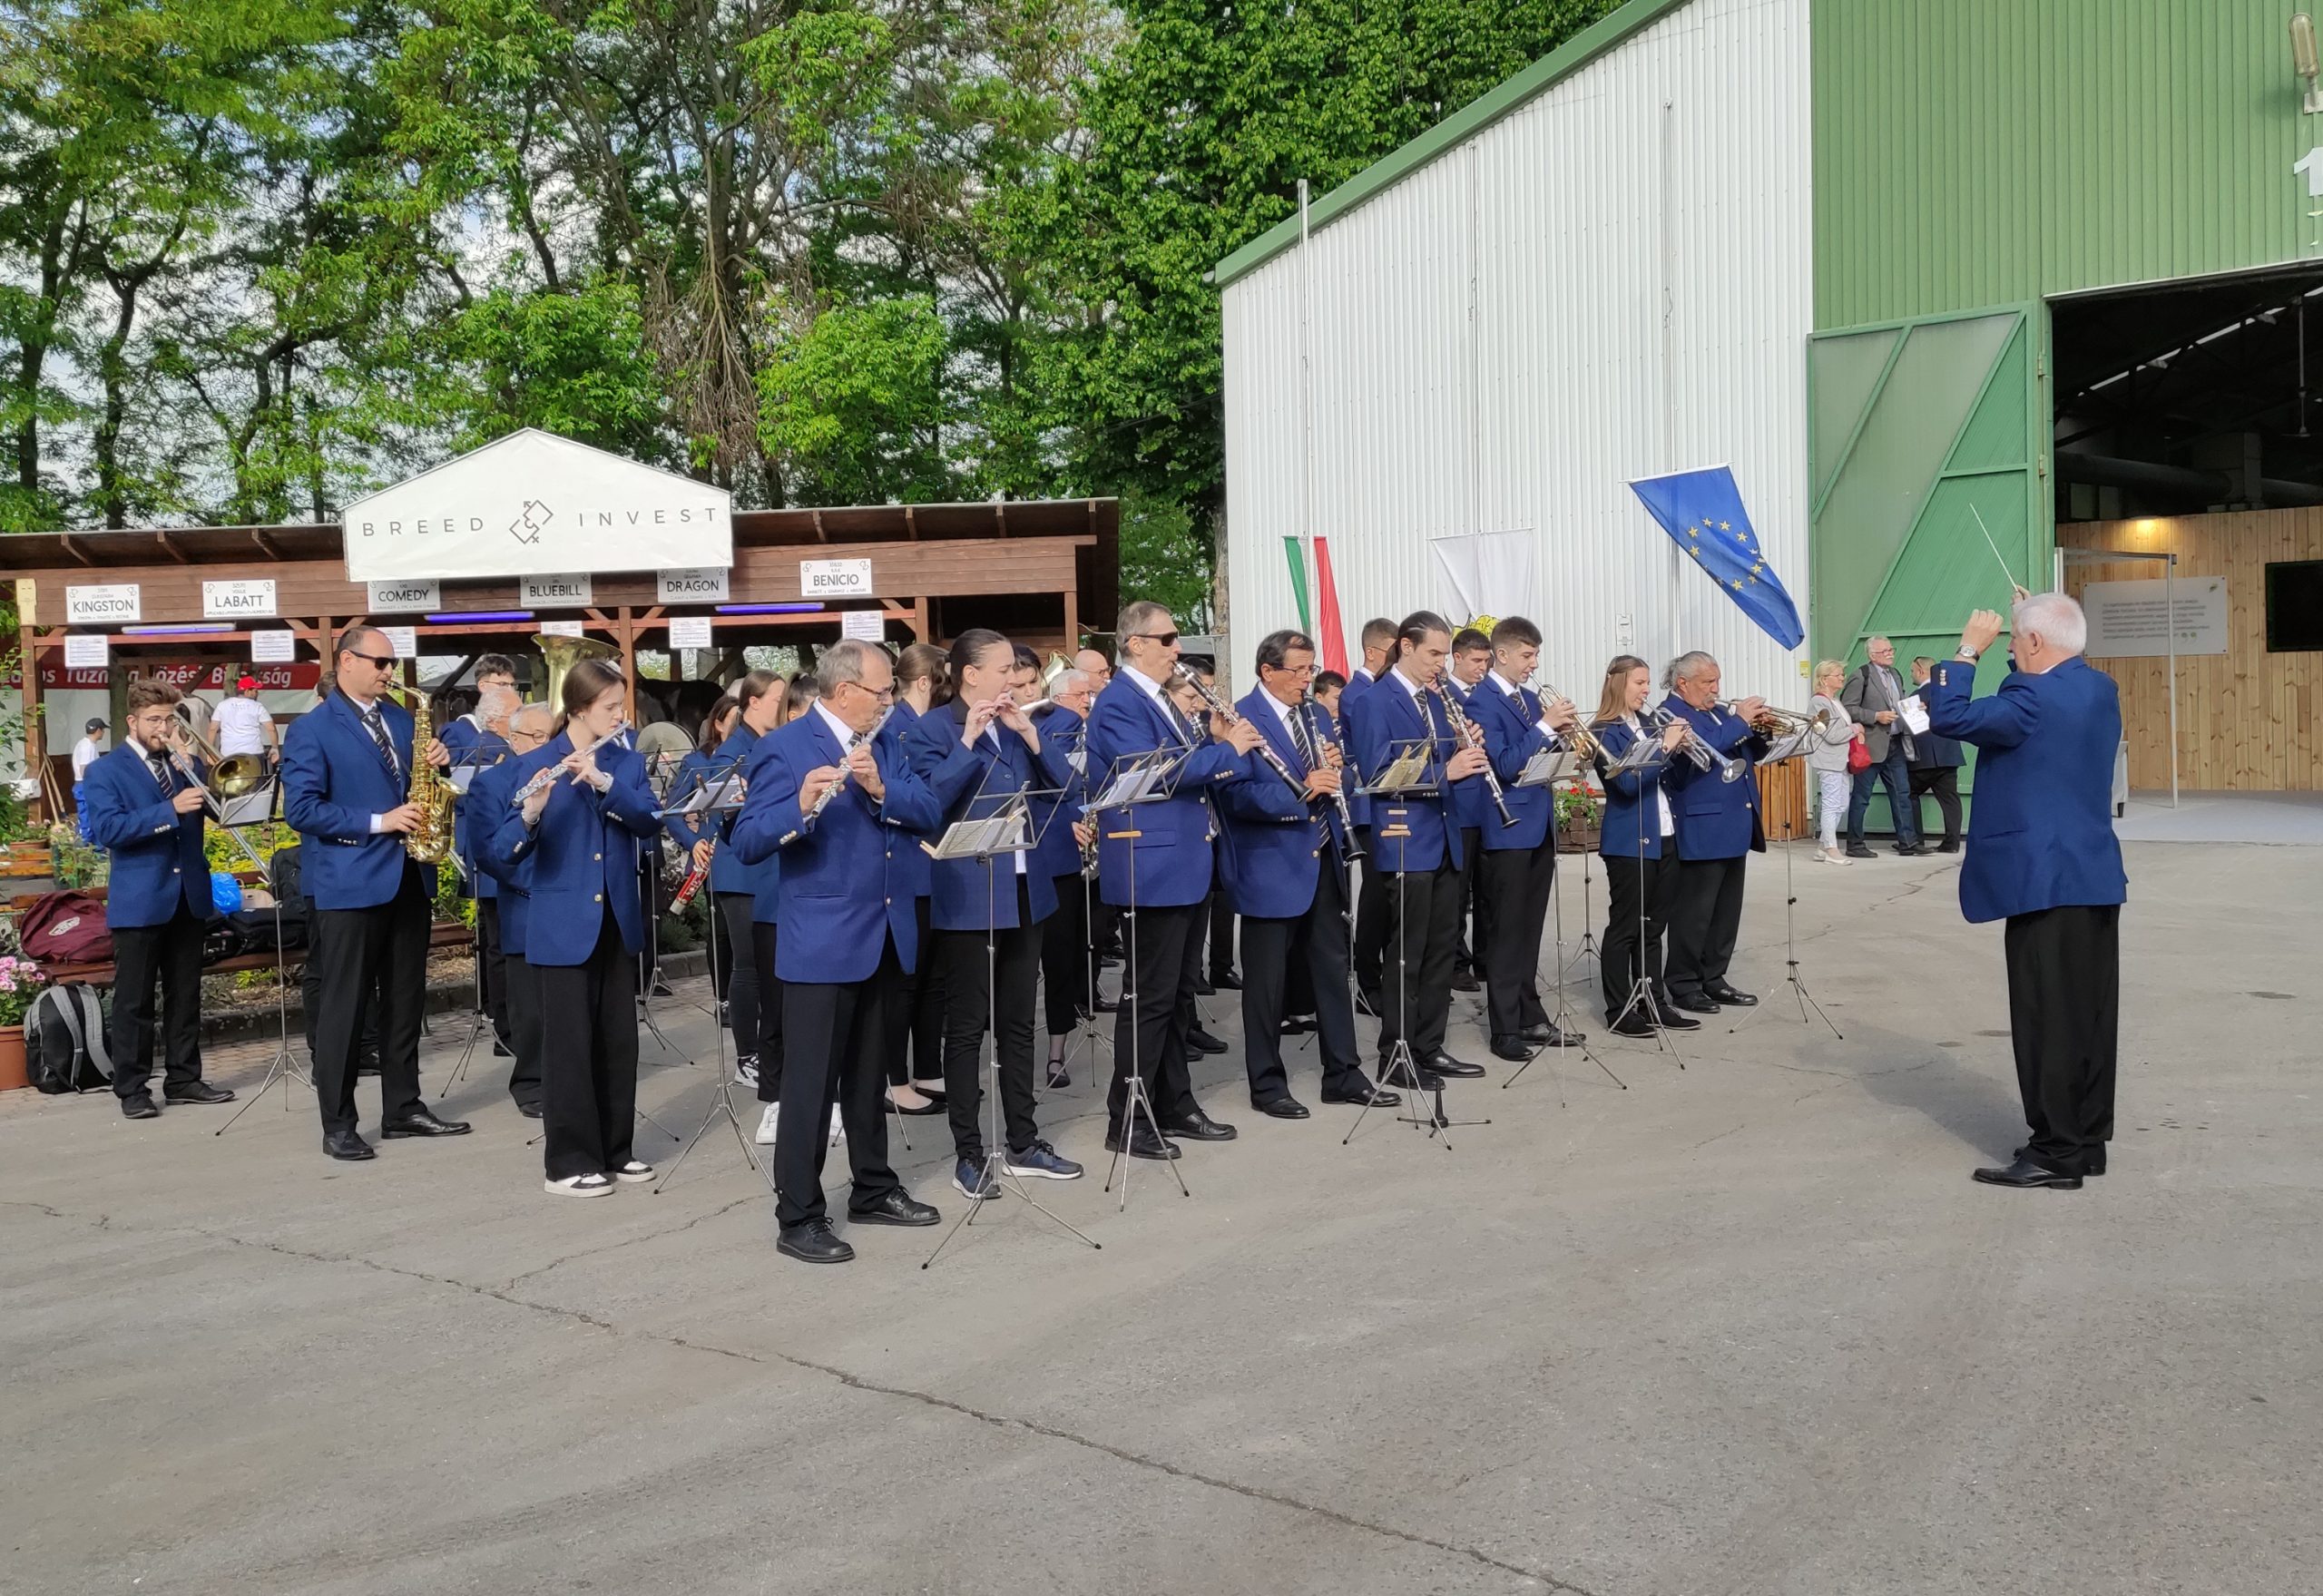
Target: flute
[[823, 799], [541, 778]]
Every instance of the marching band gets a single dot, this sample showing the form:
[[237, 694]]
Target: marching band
[[1344, 832]]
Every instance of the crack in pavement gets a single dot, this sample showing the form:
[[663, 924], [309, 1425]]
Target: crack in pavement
[[558, 1263], [844, 1377]]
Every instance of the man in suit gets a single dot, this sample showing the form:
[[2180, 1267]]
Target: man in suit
[[855, 930], [1155, 864], [1289, 883], [1369, 952], [1719, 828], [492, 794], [478, 743], [1416, 851], [1516, 867], [346, 770], [1464, 673], [2042, 857], [147, 814], [1935, 767], [1067, 957], [1873, 697]]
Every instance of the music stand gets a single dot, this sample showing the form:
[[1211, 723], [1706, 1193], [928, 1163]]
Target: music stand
[[1645, 755], [998, 824], [1085, 1029], [714, 796], [462, 773], [284, 1065], [1791, 748], [1133, 781], [1546, 766], [1412, 769]]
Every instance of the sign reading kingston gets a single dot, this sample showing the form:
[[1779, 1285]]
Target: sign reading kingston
[[533, 504], [110, 604]]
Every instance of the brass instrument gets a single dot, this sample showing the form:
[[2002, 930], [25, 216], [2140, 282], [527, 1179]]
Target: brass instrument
[[1704, 756], [430, 841], [1577, 736], [1774, 722], [231, 776], [1058, 666], [561, 654], [1468, 737]]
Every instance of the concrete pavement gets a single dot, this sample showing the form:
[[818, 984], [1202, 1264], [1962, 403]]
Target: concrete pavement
[[1742, 1328]]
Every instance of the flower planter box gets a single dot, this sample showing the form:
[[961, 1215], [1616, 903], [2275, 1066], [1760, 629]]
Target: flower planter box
[[1578, 839], [25, 858], [12, 1059]]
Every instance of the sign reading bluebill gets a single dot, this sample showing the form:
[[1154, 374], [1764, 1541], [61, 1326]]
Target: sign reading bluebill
[[533, 504], [563, 590]]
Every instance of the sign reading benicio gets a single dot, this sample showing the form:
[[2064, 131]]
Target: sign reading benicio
[[825, 579], [534, 503], [2134, 619]]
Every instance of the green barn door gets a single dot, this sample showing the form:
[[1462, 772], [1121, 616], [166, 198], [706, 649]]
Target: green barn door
[[1915, 429]]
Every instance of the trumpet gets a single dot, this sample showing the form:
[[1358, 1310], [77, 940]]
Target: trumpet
[[1468, 738], [1771, 722], [1704, 756], [541, 778], [1577, 736]]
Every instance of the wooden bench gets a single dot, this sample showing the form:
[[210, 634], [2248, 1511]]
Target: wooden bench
[[441, 935]]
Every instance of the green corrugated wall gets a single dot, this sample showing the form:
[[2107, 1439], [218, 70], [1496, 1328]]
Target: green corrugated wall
[[1975, 152]]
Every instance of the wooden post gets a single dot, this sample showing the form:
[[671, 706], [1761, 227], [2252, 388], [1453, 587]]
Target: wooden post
[[1073, 619], [36, 735], [628, 661], [919, 622]]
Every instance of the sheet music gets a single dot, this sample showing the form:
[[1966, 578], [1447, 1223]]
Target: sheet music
[[1549, 765], [997, 834], [716, 795], [1131, 786], [1406, 771], [1913, 714]]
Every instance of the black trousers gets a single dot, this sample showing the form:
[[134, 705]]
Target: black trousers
[[310, 1002], [1313, 945], [1065, 958], [970, 1004], [1466, 956], [589, 1058], [2064, 984], [1370, 951], [837, 1041], [1516, 884], [915, 1029], [170, 953], [737, 940], [1157, 997], [1943, 781], [1640, 893], [493, 963], [1221, 933], [349, 947], [1705, 917], [1423, 906], [771, 1012], [525, 1020]]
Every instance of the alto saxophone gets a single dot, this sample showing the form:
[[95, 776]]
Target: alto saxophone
[[430, 841]]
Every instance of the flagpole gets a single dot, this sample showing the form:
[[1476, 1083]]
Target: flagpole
[[1668, 249], [1307, 401]]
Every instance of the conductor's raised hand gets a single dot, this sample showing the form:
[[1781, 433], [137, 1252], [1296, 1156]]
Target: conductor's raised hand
[[1983, 627]]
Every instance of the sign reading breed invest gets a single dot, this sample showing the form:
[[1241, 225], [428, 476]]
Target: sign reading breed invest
[[533, 504]]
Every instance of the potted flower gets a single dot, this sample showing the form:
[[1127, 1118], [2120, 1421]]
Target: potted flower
[[20, 982], [1580, 813]]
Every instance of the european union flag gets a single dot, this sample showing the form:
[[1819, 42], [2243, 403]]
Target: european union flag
[[1702, 512]]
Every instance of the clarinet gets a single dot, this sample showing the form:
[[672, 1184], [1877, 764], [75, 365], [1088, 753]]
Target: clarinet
[[1353, 850], [823, 802], [1265, 751], [1466, 732]]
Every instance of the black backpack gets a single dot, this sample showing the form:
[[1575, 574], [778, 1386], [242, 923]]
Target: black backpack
[[64, 1041]]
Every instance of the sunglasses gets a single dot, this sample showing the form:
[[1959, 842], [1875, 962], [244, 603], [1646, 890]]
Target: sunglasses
[[1164, 638], [384, 662]]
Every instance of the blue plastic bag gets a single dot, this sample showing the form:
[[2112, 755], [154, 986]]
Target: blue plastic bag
[[225, 893]]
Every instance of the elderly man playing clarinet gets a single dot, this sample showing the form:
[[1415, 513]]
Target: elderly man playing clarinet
[[2042, 856]]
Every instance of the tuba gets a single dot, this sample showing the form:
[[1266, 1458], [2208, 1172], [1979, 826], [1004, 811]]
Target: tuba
[[430, 842], [562, 653]]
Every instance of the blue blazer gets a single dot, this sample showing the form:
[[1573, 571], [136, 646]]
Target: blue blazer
[[1632, 828], [1361, 682], [511, 879], [1717, 819], [917, 871], [960, 898], [1413, 831], [842, 890], [583, 852], [1513, 735], [2040, 832], [1278, 837], [333, 781], [1174, 862], [1059, 854], [157, 857], [470, 746], [1471, 803]]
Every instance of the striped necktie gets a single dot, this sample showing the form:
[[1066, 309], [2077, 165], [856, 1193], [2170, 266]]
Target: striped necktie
[[376, 725]]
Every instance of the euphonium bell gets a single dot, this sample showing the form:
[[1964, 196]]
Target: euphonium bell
[[562, 653]]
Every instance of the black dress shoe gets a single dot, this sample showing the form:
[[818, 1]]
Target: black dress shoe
[[1142, 1143], [1856, 850], [140, 1105], [1202, 1041], [500, 1049], [1105, 1006], [1691, 1002], [1203, 988], [1226, 980], [1377, 1097], [1634, 1024], [199, 1092], [530, 1111], [421, 1122], [1297, 1025], [2092, 1164], [1515, 1049], [347, 1145], [1910, 851], [813, 1243], [1443, 1064], [1677, 1019], [2025, 1172], [1282, 1108], [1727, 996], [1198, 1127], [1423, 1081], [1558, 1037], [1947, 847], [896, 1208], [1464, 982], [1539, 1033]]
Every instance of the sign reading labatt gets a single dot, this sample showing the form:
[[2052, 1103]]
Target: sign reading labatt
[[533, 504]]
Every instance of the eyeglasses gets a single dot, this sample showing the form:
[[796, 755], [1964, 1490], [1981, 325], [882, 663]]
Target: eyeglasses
[[1164, 638], [384, 662], [1307, 669]]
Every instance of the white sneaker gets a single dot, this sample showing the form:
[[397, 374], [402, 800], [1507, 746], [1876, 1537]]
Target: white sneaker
[[579, 1186], [634, 1173], [765, 1138], [746, 1070], [838, 1131]]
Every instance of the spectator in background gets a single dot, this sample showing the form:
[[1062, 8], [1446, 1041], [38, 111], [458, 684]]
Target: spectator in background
[[1828, 757], [1874, 696], [1935, 764], [85, 754], [242, 725]]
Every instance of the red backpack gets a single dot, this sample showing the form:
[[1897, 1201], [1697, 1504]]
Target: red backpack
[[64, 928]]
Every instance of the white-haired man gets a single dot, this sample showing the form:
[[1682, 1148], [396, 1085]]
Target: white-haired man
[[2042, 855]]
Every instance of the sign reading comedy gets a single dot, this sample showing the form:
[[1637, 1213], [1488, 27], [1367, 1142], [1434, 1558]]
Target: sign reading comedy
[[533, 504]]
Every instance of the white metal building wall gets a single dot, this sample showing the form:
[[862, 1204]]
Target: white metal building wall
[[1562, 223]]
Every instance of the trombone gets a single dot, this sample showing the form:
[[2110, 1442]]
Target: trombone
[[231, 776]]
